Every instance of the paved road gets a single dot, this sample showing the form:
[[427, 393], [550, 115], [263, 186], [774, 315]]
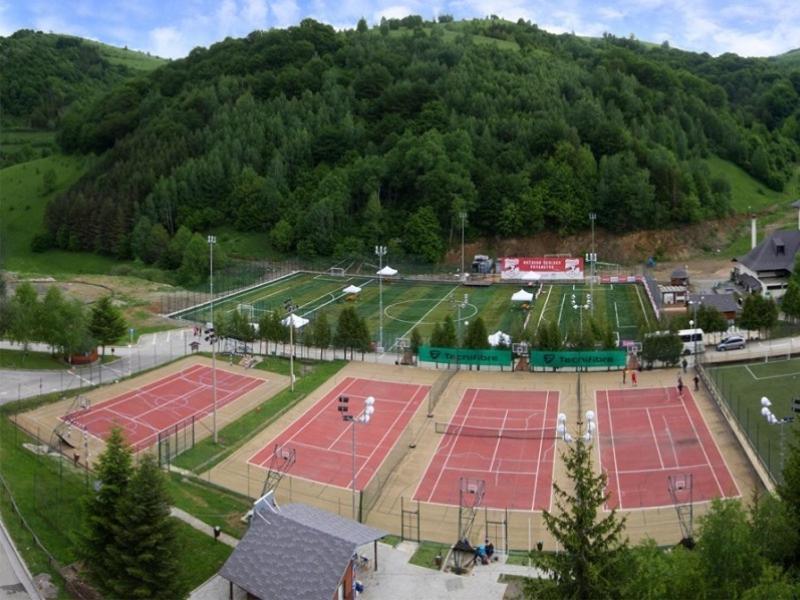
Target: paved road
[[150, 351], [15, 580]]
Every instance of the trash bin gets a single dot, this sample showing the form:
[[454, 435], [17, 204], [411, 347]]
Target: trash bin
[[438, 560]]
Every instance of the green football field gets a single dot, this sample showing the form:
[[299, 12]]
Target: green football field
[[744, 384], [624, 306], [408, 304]]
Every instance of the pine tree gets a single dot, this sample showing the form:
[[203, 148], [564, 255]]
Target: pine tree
[[107, 324], [591, 548], [415, 341], [476, 336], [321, 333], [97, 545], [146, 540], [449, 336]]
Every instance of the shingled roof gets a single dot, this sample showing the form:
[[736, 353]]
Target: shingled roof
[[298, 552], [722, 302], [766, 257]]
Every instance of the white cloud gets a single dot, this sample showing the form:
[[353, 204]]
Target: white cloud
[[168, 42], [610, 13], [285, 12], [255, 13]]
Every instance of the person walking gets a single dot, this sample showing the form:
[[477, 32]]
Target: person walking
[[696, 383], [684, 364], [680, 386]]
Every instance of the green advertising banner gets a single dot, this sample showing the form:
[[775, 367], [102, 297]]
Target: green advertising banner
[[578, 359], [465, 356]]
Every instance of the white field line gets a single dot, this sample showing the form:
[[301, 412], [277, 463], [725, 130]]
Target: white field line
[[544, 308], [644, 312], [333, 299]]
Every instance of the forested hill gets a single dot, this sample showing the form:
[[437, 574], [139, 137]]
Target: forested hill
[[330, 142], [41, 74]]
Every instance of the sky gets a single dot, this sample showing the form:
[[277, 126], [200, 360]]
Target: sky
[[171, 28]]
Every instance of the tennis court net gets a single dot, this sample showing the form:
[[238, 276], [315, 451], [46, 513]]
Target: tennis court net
[[495, 432]]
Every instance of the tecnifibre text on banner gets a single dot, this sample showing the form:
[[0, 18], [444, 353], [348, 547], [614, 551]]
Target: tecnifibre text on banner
[[548, 268]]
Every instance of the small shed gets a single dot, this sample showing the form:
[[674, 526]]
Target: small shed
[[299, 551], [672, 294], [679, 276], [195, 345]]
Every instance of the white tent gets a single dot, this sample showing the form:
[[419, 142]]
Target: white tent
[[295, 321], [352, 289], [498, 337], [522, 296], [387, 271]]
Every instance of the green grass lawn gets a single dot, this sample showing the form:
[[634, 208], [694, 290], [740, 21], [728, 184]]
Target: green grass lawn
[[210, 504], [17, 359], [133, 59], [748, 193], [22, 204], [206, 454], [426, 554], [743, 385]]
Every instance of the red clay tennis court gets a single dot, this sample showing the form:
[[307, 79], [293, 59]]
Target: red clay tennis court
[[646, 435], [506, 438], [323, 441], [144, 412]]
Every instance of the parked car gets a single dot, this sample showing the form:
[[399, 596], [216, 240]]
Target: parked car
[[733, 342]]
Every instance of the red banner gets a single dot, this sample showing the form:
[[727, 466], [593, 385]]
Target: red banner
[[541, 267]]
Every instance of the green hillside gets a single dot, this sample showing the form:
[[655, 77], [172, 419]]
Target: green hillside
[[748, 194], [132, 59], [22, 207], [788, 59]]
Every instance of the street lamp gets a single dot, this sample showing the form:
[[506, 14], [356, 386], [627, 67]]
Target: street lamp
[[588, 435], [380, 251], [773, 420], [463, 216], [581, 307], [290, 308], [694, 322], [362, 418], [212, 337]]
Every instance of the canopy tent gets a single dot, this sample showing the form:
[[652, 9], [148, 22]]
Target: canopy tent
[[522, 296], [387, 271], [498, 337], [295, 321], [352, 289]]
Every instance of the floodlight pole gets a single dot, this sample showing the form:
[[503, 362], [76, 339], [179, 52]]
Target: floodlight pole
[[463, 215], [362, 418], [592, 256], [290, 309], [380, 251], [212, 239]]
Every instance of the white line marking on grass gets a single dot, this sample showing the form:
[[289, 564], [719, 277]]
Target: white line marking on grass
[[422, 318], [616, 312], [749, 370], [641, 303], [779, 376], [560, 312], [544, 308]]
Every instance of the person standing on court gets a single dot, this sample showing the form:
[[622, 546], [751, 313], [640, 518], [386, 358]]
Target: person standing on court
[[696, 383], [680, 386], [634, 379], [684, 364], [624, 375]]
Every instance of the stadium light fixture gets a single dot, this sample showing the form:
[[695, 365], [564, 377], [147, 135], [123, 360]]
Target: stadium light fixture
[[463, 216], [212, 337], [290, 308], [380, 252], [587, 436], [363, 418], [593, 255]]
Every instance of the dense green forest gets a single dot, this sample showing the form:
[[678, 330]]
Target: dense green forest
[[330, 142]]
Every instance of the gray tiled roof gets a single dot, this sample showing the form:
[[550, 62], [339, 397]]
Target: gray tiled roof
[[680, 273], [765, 257], [295, 553], [750, 282], [722, 302], [335, 525]]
